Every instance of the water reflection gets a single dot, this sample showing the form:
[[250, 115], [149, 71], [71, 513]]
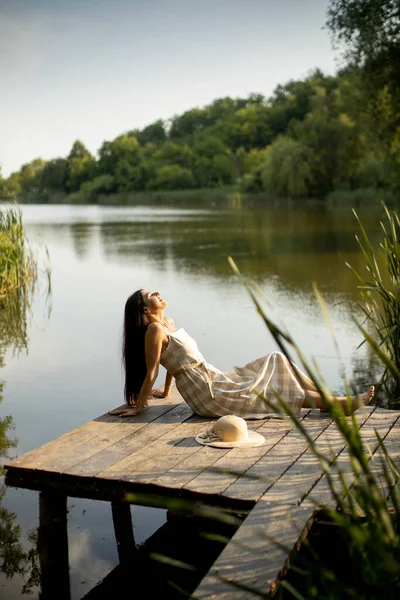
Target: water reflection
[[18, 552], [290, 245], [81, 235]]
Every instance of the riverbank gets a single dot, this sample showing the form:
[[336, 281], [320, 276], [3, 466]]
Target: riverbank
[[225, 196]]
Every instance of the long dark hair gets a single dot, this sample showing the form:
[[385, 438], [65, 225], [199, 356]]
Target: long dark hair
[[133, 355]]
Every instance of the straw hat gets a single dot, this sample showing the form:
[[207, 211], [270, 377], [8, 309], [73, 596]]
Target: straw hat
[[230, 432]]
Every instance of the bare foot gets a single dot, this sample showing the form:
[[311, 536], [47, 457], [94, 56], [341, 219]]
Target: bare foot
[[353, 403], [358, 401]]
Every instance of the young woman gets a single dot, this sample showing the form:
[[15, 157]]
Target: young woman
[[151, 339]]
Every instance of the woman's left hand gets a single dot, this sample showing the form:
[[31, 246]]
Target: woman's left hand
[[127, 412], [159, 393]]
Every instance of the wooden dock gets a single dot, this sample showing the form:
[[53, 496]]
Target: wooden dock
[[153, 459]]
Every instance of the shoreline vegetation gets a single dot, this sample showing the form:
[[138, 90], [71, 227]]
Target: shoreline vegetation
[[20, 273], [224, 197]]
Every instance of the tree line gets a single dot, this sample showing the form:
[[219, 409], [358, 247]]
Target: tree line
[[309, 138]]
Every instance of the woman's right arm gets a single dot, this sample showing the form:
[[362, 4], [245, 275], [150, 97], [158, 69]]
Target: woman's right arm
[[153, 343]]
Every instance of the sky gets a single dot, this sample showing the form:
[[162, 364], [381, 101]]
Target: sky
[[94, 69]]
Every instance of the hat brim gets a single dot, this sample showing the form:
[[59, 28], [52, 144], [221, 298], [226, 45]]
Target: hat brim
[[254, 439]]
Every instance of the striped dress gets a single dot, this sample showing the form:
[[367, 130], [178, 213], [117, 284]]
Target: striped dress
[[213, 393]]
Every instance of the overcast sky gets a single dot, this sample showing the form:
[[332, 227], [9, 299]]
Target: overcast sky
[[93, 69]]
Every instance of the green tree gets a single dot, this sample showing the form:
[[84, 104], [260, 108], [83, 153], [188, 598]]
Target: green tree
[[124, 147], [172, 177], [78, 150], [12, 185], [171, 153], [54, 175], [334, 141], [247, 128], [286, 171], [189, 123], [370, 29], [222, 170], [131, 176], [30, 176], [152, 134], [81, 166]]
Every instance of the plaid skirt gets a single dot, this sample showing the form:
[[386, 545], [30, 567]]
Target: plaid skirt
[[249, 392]]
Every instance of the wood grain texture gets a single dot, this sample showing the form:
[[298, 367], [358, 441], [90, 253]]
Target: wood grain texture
[[89, 434], [258, 554], [380, 420], [306, 471]]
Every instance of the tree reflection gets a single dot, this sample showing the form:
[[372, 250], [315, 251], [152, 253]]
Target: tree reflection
[[298, 247]]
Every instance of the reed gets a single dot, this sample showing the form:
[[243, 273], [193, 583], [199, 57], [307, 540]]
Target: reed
[[18, 274], [380, 299], [17, 262], [367, 498]]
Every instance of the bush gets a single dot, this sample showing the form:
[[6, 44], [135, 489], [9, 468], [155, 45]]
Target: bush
[[90, 190]]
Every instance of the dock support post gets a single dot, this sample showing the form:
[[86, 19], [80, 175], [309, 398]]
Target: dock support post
[[122, 518], [53, 546]]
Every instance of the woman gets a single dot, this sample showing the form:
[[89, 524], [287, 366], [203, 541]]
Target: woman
[[151, 339]]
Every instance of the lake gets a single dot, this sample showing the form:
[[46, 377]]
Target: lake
[[100, 255]]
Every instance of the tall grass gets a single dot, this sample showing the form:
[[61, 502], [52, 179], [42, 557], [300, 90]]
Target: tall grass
[[380, 299], [18, 272], [17, 263], [366, 498]]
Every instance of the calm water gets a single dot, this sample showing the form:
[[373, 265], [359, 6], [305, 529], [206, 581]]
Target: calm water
[[72, 371]]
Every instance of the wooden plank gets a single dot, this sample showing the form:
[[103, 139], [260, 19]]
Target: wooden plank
[[152, 460], [381, 420], [201, 458], [239, 460], [304, 474], [392, 445], [123, 428], [93, 429], [205, 457], [272, 466], [110, 490], [259, 553], [234, 463], [131, 443], [187, 450]]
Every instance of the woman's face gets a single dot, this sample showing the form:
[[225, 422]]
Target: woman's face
[[153, 300]]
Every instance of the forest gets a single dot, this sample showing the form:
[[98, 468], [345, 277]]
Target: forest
[[309, 138]]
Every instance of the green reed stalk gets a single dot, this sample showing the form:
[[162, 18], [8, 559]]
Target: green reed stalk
[[17, 263], [380, 295], [18, 277]]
